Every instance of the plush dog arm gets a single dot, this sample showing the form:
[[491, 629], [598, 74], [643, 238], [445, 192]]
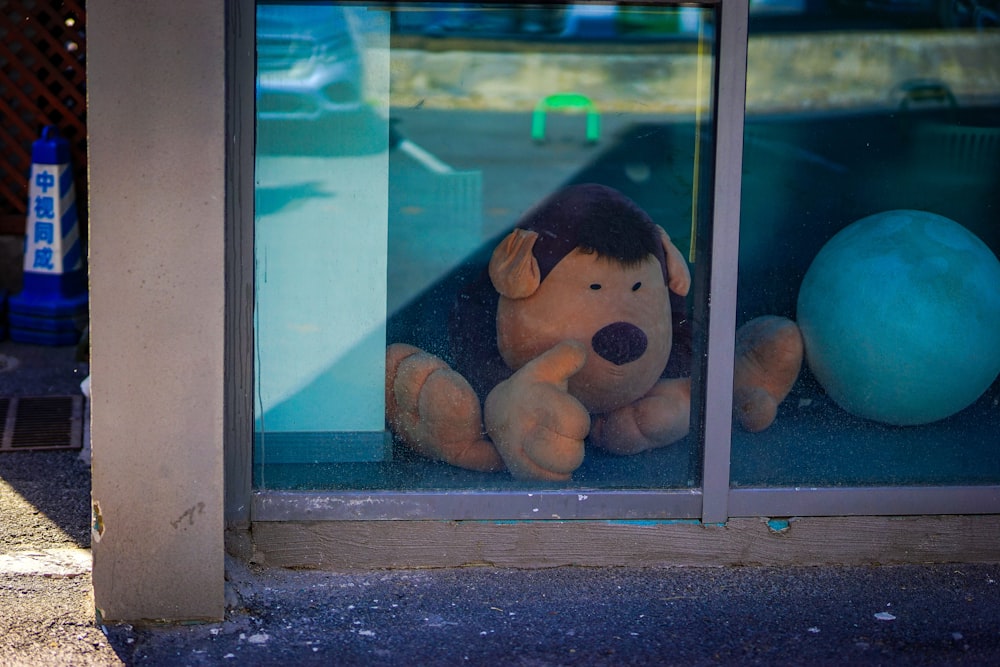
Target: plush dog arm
[[435, 411], [769, 352], [659, 418], [535, 424]]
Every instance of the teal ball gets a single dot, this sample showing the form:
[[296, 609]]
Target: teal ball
[[900, 315]]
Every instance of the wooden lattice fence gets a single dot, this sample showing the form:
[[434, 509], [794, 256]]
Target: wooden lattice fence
[[42, 82]]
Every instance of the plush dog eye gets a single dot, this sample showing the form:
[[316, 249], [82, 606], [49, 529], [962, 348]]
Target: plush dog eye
[[635, 288], [595, 286]]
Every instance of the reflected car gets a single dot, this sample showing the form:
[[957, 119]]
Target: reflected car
[[308, 62]]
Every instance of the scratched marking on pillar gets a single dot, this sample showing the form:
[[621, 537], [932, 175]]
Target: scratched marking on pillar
[[189, 515]]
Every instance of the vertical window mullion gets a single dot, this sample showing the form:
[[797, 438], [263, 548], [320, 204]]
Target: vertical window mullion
[[239, 332], [729, 114]]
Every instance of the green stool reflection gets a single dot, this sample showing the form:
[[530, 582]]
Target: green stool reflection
[[559, 101]]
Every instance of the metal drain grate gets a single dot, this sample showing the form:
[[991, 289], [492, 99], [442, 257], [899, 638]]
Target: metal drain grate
[[41, 422]]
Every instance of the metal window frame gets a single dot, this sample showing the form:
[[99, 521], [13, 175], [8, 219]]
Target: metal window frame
[[238, 383], [714, 503]]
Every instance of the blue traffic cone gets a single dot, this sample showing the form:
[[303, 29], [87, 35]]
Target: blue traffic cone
[[52, 307]]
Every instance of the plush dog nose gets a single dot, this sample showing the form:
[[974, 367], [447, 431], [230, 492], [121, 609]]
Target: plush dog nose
[[619, 343]]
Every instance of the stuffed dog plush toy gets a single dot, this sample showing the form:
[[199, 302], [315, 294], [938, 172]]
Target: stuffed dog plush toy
[[567, 342]]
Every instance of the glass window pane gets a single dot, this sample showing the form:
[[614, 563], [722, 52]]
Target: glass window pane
[[399, 146], [870, 207]]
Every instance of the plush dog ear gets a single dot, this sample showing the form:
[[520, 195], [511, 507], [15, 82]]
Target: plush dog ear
[[677, 268], [513, 268]]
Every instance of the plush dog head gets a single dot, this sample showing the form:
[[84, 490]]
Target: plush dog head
[[589, 265]]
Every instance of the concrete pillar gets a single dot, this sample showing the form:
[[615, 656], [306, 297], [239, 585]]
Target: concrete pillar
[[156, 122]]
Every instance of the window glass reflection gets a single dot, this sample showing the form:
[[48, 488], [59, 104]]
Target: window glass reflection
[[870, 197], [398, 148]]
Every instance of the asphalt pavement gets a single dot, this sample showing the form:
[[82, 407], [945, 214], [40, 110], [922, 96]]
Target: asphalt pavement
[[605, 616]]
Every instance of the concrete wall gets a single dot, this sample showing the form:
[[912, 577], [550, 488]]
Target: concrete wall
[[156, 121]]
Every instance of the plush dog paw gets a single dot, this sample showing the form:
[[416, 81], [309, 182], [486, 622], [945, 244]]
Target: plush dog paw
[[536, 425], [769, 354], [434, 410], [660, 418]]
